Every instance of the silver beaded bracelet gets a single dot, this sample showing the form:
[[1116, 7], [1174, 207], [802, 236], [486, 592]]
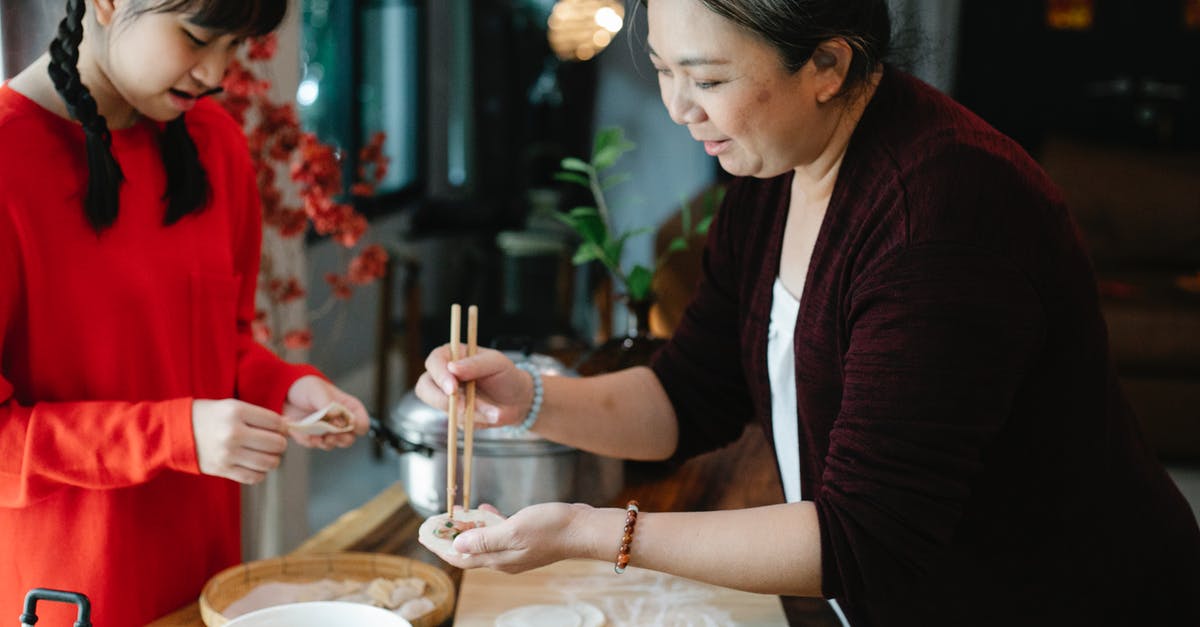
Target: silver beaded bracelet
[[536, 407]]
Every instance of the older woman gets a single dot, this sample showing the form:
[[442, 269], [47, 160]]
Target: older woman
[[895, 292]]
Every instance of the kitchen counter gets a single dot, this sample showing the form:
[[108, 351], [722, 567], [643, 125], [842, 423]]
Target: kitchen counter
[[388, 524]]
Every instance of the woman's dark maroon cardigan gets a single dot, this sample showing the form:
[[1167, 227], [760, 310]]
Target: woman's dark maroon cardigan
[[962, 434]]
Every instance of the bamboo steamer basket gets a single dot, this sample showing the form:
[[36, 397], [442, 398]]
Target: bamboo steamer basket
[[236, 582]]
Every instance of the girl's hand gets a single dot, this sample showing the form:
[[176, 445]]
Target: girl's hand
[[312, 393], [503, 392], [535, 536], [237, 440]]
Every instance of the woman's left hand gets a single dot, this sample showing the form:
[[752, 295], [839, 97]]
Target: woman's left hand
[[535, 536], [311, 393]]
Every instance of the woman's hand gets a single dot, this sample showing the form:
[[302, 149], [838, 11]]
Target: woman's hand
[[503, 392], [535, 536], [237, 440], [312, 393]]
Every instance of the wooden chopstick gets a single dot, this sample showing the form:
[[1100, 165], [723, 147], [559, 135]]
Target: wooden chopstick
[[452, 415], [469, 414]]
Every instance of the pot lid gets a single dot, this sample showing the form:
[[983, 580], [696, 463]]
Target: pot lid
[[418, 422]]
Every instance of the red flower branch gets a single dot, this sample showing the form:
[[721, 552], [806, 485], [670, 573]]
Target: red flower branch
[[278, 143]]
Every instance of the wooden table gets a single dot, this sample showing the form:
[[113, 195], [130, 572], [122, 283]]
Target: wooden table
[[388, 524]]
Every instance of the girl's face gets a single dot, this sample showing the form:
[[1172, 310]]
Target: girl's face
[[732, 91], [160, 63]]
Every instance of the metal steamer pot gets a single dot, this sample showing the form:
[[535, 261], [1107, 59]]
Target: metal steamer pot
[[510, 470]]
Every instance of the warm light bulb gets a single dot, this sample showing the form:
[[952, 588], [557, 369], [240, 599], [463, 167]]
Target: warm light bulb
[[608, 19], [580, 29]]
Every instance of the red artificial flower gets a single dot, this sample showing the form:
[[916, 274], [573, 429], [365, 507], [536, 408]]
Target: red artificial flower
[[274, 137], [298, 340], [351, 229], [262, 48], [259, 327], [286, 291], [369, 265], [240, 82], [292, 222], [340, 286]]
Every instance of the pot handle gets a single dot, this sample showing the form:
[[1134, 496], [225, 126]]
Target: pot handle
[[381, 433], [29, 617]]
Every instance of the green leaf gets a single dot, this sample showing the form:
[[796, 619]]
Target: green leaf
[[685, 216], [587, 252], [614, 180], [677, 244], [607, 157], [641, 231], [572, 177], [702, 226], [613, 249], [718, 197], [578, 165], [606, 137], [639, 282], [587, 222]]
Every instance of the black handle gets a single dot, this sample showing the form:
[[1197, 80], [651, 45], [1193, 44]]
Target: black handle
[[29, 617], [381, 433]]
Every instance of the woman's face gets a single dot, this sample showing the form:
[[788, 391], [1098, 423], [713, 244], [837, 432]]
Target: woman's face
[[731, 90], [160, 63]]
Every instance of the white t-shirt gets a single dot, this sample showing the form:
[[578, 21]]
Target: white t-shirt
[[781, 370]]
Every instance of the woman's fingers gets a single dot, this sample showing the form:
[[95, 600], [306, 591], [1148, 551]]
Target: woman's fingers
[[435, 368], [429, 391]]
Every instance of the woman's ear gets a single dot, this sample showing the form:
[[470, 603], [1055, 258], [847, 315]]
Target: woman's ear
[[831, 63], [103, 10]]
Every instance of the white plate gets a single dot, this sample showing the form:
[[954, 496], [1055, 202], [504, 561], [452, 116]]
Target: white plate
[[320, 614]]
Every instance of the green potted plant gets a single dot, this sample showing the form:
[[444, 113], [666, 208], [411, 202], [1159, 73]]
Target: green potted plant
[[600, 243]]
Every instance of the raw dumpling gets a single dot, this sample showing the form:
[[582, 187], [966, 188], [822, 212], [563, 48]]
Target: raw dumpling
[[437, 533]]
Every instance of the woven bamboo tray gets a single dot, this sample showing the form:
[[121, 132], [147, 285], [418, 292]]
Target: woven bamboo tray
[[235, 582]]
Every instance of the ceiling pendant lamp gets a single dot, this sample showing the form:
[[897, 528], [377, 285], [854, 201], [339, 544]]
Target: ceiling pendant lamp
[[580, 29]]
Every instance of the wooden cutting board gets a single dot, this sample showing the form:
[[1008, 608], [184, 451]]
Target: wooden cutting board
[[636, 597]]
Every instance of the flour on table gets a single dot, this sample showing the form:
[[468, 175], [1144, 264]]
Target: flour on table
[[572, 615], [644, 598]]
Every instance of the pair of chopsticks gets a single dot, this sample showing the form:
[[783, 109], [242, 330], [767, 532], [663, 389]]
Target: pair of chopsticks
[[452, 413]]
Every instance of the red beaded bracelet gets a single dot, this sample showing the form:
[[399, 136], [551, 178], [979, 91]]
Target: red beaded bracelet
[[631, 512]]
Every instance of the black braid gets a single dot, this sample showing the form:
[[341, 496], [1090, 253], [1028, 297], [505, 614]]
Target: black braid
[[104, 174], [187, 182]]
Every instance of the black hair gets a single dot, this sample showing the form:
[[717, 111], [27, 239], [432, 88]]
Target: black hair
[[187, 183], [796, 27]]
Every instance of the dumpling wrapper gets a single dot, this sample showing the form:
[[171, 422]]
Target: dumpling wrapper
[[333, 418], [591, 615], [443, 546], [540, 616]]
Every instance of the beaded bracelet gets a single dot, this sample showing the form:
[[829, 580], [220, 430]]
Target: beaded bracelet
[[631, 513], [536, 407]]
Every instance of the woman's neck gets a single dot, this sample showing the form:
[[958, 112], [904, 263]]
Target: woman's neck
[[815, 180]]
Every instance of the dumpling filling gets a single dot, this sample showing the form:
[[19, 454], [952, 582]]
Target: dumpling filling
[[451, 528]]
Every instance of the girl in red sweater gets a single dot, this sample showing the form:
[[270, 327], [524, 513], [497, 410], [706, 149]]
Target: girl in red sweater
[[133, 399]]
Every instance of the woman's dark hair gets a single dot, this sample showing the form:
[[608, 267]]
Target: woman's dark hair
[[187, 183], [796, 27]]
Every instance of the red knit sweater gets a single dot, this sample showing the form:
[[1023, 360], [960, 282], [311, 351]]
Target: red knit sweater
[[104, 342]]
